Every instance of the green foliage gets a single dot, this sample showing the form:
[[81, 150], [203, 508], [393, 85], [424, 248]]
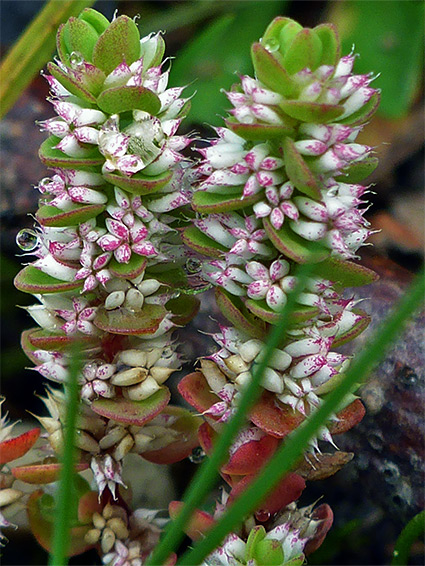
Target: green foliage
[[412, 531]]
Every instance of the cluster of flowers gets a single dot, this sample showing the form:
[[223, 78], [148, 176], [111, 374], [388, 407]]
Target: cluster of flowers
[[111, 275]]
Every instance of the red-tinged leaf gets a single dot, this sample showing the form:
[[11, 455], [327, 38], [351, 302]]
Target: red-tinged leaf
[[43, 529], [56, 158], [132, 412], [51, 216], [364, 113], [135, 267], [184, 309], [288, 490], [195, 390], [206, 436], [205, 202], [324, 514], [14, 448], [79, 36], [236, 312], [355, 331], [119, 42], [358, 171], [331, 46], [95, 19], [139, 184], [264, 312], [250, 457], [274, 418], [305, 50], [260, 132], [89, 503], [187, 426], [345, 273], [271, 72], [298, 171], [123, 98], [27, 347], [127, 322], [293, 246], [201, 243], [199, 524], [40, 473], [32, 280], [323, 465], [317, 112], [348, 417], [44, 340], [72, 82]]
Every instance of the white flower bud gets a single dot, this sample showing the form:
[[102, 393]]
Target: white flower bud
[[143, 390], [113, 437], [133, 358], [123, 447], [129, 377], [98, 521], [86, 442], [108, 540], [272, 381], [134, 300], [9, 496], [236, 364], [250, 350], [161, 374], [114, 300], [215, 378]]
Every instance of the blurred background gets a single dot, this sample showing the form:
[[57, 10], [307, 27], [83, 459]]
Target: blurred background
[[209, 44]]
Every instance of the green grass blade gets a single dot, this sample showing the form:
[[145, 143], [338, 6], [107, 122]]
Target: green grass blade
[[206, 476], [65, 501], [34, 49], [412, 531], [297, 442]]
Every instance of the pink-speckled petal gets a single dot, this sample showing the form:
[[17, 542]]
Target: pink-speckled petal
[[123, 253]]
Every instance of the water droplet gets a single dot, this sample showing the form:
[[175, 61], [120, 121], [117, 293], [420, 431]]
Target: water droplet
[[262, 516], [27, 240], [272, 45], [76, 60], [197, 456], [193, 265]]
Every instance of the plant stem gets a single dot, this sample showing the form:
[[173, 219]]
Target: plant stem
[[34, 49], [412, 531], [297, 442], [65, 500]]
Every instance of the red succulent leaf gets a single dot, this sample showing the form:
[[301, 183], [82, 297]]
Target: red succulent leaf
[[274, 418], [348, 417], [324, 514], [39, 473], [89, 503], [14, 448], [198, 525], [251, 456], [195, 390]]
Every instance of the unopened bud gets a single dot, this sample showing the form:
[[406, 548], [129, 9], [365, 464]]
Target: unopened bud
[[86, 442], [129, 377], [98, 521], [9, 496], [119, 527], [236, 364], [133, 358], [123, 447], [108, 540], [92, 536], [143, 390], [161, 374]]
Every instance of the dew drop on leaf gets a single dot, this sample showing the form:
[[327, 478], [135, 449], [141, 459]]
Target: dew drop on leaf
[[27, 240], [76, 59], [197, 455], [193, 265]]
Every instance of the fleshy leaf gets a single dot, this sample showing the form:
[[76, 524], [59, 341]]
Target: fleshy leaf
[[139, 184], [79, 37], [325, 516], [270, 72], [184, 309], [202, 243], [256, 132], [135, 267], [250, 457], [32, 280], [274, 418], [305, 51], [73, 84], [132, 412], [44, 340], [353, 332], [14, 448], [293, 246], [43, 529], [358, 171], [331, 47], [39, 473], [345, 273], [236, 312], [89, 503], [49, 215], [205, 202], [187, 425], [364, 113], [27, 347], [195, 390], [298, 172], [348, 417], [263, 311], [56, 158], [124, 321], [199, 524], [311, 111], [124, 98], [95, 19], [322, 465], [119, 42]]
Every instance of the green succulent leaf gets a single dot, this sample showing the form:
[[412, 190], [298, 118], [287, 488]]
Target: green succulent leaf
[[271, 72], [74, 85], [356, 172], [56, 158], [364, 113], [258, 132], [124, 321], [316, 112], [97, 20], [124, 98], [79, 37], [51, 216], [206, 202], [268, 552], [184, 309], [256, 535], [331, 46], [234, 309], [119, 42], [345, 273], [202, 243], [139, 184], [355, 331], [32, 280], [298, 171], [305, 51], [263, 311], [135, 267]]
